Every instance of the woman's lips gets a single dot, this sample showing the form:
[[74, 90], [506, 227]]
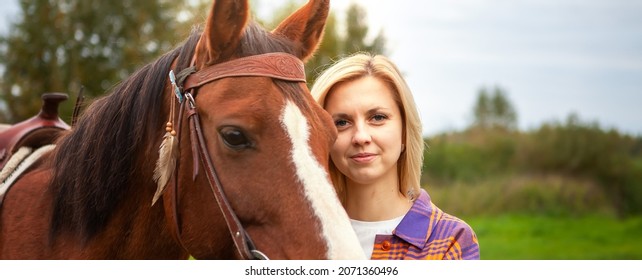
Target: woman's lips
[[363, 157]]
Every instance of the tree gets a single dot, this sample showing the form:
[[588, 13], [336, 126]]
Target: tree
[[494, 110], [59, 46], [482, 109], [357, 30]]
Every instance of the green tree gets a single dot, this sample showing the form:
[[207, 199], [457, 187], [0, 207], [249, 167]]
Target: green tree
[[582, 149], [482, 109], [357, 31], [59, 46], [494, 110]]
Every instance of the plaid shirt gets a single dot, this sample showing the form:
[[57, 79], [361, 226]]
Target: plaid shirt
[[427, 233]]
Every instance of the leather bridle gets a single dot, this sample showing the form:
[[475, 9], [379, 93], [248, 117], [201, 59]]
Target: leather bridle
[[281, 66]]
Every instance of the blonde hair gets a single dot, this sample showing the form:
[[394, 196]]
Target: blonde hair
[[363, 64]]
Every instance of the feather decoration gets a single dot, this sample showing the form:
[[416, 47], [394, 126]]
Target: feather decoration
[[167, 155]]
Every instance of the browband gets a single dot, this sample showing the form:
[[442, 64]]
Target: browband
[[280, 66]]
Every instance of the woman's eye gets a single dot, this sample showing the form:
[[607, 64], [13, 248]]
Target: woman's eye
[[340, 123], [379, 117], [235, 138]]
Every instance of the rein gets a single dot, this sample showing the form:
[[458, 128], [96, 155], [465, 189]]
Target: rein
[[280, 66]]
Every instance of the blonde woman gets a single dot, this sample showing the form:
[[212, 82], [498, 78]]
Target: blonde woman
[[376, 164]]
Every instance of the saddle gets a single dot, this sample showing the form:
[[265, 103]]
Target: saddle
[[38, 131]]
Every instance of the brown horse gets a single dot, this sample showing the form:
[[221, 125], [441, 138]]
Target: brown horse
[[247, 172]]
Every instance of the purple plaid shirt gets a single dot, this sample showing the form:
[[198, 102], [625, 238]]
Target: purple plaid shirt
[[428, 233]]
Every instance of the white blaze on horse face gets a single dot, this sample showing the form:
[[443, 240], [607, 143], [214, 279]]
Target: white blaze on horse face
[[336, 229]]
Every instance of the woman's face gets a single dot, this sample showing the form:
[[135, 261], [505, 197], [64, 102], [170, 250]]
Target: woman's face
[[370, 130]]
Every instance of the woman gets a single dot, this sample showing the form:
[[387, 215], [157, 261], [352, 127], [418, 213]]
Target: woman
[[376, 164]]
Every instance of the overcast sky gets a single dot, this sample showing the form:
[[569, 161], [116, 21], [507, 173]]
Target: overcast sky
[[552, 57]]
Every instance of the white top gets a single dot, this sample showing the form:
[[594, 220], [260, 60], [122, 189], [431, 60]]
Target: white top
[[367, 231]]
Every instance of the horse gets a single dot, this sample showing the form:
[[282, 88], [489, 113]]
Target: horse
[[215, 150]]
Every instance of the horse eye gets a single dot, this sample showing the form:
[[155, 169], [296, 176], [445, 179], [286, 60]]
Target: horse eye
[[234, 138]]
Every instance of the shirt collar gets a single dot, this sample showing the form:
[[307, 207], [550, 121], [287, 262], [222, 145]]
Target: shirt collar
[[419, 221]]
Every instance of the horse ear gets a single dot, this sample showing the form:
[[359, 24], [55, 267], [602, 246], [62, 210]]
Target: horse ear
[[306, 26], [223, 31]]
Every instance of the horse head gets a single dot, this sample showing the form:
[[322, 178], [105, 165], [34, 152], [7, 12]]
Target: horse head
[[258, 179]]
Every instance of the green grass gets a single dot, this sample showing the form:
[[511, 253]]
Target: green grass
[[521, 237]]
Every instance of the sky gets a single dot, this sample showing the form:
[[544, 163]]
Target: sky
[[551, 57]]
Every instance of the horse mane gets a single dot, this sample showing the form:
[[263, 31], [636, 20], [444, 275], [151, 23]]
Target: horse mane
[[95, 165]]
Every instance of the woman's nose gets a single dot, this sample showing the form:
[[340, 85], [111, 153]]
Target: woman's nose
[[361, 135]]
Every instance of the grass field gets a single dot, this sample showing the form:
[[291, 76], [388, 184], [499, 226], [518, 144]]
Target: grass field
[[521, 237]]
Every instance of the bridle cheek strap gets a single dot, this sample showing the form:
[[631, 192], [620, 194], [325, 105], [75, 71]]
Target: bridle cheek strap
[[233, 224]]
